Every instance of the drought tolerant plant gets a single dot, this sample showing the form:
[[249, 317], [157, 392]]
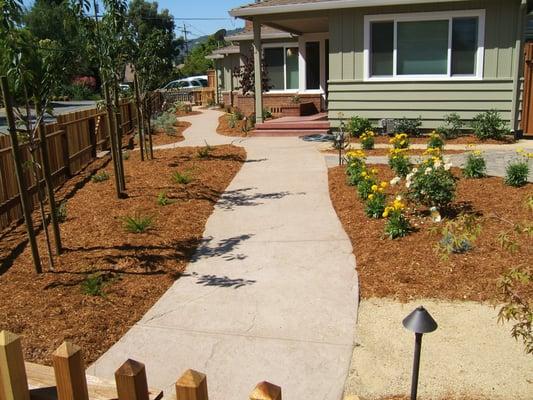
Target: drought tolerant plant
[[165, 123], [458, 236], [93, 285], [489, 125], [367, 140], [452, 126], [163, 200], [399, 162], [409, 126], [400, 141], [356, 126], [356, 164], [205, 151], [100, 177], [375, 203], [232, 120], [432, 184], [366, 183], [475, 165], [397, 225], [126, 155], [138, 223], [182, 178], [517, 171], [61, 212], [435, 141]]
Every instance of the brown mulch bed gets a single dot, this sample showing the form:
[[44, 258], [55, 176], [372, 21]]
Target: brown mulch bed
[[137, 268], [410, 268], [224, 129], [162, 138]]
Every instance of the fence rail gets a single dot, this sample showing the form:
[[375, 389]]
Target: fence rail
[[74, 141], [66, 379]]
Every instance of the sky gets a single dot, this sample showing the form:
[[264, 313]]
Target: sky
[[185, 10]]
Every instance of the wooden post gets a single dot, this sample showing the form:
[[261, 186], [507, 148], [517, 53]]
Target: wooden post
[[49, 183], [131, 381], [266, 391], [23, 189], [13, 380], [192, 386], [113, 137], [92, 137], [140, 122], [118, 124], [69, 371]]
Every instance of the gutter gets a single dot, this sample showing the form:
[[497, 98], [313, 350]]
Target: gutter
[[244, 12]]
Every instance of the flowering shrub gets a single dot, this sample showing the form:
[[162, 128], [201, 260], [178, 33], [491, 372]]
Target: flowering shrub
[[375, 203], [367, 140], [356, 165], [400, 141], [397, 224], [517, 171], [365, 184], [475, 166], [357, 126], [435, 141], [86, 81], [432, 184], [399, 162]]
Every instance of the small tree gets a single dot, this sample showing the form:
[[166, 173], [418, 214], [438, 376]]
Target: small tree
[[245, 75]]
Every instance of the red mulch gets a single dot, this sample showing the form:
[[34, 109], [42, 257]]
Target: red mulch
[[138, 268], [162, 138], [410, 268]]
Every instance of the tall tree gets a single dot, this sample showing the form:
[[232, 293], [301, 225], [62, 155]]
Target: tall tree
[[196, 62]]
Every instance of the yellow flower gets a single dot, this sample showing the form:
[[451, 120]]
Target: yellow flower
[[374, 170], [385, 214], [363, 174], [374, 188], [371, 196], [383, 184]]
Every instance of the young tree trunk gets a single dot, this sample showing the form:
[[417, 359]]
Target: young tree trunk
[[140, 121], [23, 189], [113, 138], [149, 124], [45, 161], [118, 125]]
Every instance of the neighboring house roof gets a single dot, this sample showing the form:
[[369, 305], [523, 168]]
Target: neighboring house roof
[[219, 54], [267, 32], [287, 6]]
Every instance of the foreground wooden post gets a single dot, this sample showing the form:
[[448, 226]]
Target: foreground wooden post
[[266, 391], [23, 189], [192, 386], [69, 371], [131, 381], [13, 380]]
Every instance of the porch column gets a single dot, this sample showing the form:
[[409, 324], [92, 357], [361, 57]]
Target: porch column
[[518, 66], [257, 72]]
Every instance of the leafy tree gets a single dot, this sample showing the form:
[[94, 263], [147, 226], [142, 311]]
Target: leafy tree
[[196, 62]]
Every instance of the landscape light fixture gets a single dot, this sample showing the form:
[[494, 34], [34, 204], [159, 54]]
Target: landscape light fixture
[[419, 321]]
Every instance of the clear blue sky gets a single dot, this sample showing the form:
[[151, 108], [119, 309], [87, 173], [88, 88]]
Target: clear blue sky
[[199, 9]]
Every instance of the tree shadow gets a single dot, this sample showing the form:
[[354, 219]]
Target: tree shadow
[[220, 281], [222, 249], [240, 198]]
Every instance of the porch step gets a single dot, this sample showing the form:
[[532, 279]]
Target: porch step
[[293, 125], [287, 132]]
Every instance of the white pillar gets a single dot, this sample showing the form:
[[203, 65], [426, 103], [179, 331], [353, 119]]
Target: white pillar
[[257, 72]]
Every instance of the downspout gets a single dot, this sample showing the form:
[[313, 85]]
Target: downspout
[[517, 69]]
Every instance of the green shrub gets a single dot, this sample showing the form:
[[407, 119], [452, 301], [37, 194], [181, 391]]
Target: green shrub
[[452, 127], [163, 200], [125, 155], [364, 187], [459, 236], [100, 177], [266, 113], [400, 141], [182, 178], [432, 184], [397, 225], [232, 121], [205, 151], [489, 125], [93, 285], [435, 141], [367, 140], [355, 161], [375, 203], [138, 223], [357, 126], [516, 173], [399, 162], [409, 126], [165, 123], [238, 114], [475, 165], [61, 212]]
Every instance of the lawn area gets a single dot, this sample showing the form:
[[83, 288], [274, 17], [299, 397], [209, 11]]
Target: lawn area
[[108, 277]]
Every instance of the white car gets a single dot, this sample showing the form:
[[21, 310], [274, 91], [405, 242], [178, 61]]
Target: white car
[[188, 84]]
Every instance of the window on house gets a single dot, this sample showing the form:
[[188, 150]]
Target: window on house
[[282, 67], [312, 64], [424, 45]]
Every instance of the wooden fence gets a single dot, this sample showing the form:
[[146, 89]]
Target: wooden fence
[[67, 380], [74, 141]]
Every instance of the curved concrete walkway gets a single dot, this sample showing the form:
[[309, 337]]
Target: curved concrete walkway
[[272, 292]]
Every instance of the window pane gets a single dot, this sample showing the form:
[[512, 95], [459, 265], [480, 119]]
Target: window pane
[[464, 46], [423, 48], [275, 68], [382, 45], [312, 65], [292, 68]]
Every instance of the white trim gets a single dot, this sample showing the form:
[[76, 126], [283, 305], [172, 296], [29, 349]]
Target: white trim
[[425, 16], [284, 46]]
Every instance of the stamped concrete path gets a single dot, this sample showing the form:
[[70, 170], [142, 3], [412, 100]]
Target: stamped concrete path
[[272, 292]]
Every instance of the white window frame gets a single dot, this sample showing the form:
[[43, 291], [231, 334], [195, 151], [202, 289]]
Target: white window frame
[[302, 41], [425, 16], [284, 46]]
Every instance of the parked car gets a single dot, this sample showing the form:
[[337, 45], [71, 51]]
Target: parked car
[[188, 84]]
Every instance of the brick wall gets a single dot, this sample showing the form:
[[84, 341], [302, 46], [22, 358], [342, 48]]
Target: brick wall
[[273, 102]]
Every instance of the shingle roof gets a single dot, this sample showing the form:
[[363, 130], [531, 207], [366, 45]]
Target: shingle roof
[[270, 3], [267, 32]]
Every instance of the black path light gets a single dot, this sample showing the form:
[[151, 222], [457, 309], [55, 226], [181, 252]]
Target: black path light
[[419, 321]]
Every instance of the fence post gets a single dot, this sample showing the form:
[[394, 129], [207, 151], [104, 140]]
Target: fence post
[[266, 391], [13, 380], [192, 386], [92, 137], [131, 381], [69, 371]]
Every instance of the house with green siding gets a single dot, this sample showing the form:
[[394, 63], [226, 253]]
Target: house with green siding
[[386, 59]]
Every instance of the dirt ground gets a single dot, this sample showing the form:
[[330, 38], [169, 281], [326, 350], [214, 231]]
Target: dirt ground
[[470, 356], [162, 138], [134, 269], [410, 268]]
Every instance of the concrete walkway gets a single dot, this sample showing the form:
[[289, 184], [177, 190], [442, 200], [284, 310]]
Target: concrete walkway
[[270, 295]]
